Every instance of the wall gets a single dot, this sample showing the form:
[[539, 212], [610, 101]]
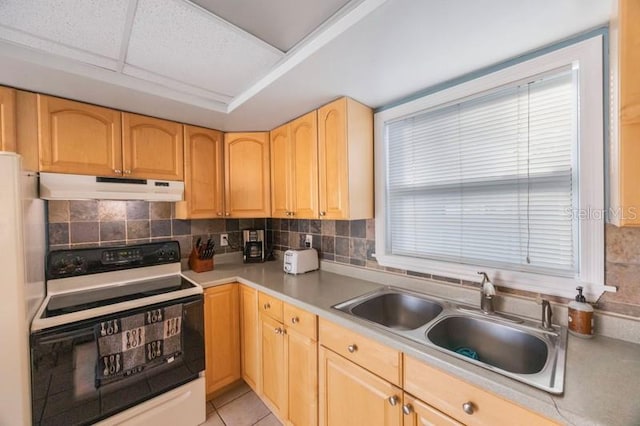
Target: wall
[[105, 223]]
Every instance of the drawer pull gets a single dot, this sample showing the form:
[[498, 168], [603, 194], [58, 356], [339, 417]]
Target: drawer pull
[[323, 213], [407, 409], [352, 348], [278, 330], [266, 306], [295, 320], [393, 400], [467, 407], [117, 171]]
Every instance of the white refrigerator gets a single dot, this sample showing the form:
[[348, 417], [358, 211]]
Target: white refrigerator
[[22, 243]]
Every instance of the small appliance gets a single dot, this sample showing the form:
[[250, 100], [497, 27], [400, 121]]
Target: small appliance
[[253, 245], [300, 261]]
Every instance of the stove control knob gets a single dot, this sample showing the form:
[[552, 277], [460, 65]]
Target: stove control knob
[[78, 261]]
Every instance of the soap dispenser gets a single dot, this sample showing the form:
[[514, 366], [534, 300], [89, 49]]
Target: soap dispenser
[[580, 316]]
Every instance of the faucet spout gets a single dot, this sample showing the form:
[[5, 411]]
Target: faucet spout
[[546, 316], [487, 291]]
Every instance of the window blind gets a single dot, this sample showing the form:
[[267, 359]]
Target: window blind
[[489, 180]]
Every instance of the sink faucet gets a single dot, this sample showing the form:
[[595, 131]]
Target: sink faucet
[[546, 316], [487, 291]]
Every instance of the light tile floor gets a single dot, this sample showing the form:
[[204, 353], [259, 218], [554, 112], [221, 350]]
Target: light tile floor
[[239, 406]]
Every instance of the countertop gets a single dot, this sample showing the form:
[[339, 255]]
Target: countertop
[[602, 385]]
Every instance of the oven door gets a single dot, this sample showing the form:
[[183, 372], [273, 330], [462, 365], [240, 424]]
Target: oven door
[[65, 388]]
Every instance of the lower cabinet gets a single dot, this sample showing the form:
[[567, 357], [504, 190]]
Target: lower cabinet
[[222, 339], [418, 413], [274, 390], [250, 338]]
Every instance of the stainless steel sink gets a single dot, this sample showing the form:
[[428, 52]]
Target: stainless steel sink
[[393, 309], [499, 345], [520, 350]]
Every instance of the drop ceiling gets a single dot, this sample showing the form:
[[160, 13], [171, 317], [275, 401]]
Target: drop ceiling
[[247, 65]]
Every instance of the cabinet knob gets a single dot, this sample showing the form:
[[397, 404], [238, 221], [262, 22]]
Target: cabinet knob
[[407, 409], [393, 400], [323, 213], [278, 330], [352, 348], [117, 171], [227, 214], [295, 320], [219, 213], [266, 305], [127, 172], [292, 213], [468, 408]]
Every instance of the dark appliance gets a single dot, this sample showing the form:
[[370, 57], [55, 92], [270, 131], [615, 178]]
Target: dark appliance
[[253, 245]]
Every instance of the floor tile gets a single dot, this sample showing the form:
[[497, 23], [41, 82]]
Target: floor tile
[[269, 420], [213, 419], [243, 411], [230, 395]]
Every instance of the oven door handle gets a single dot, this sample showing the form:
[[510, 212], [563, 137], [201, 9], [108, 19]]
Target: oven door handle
[[62, 336]]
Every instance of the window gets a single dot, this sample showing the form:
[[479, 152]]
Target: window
[[503, 173]]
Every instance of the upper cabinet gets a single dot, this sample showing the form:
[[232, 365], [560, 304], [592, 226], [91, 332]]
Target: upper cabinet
[[247, 189], [152, 148], [294, 169], [203, 174], [345, 158], [7, 119], [79, 138], [625, 195]]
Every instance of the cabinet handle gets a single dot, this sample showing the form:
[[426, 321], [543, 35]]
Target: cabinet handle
[[117, 171], [227, 214], [127, 172], [468, 408], [219, 213], [278, 330], [292, 213], [352, 348], [295, 320], [407, 409], [393, 400], [266, 305], [323, 213]]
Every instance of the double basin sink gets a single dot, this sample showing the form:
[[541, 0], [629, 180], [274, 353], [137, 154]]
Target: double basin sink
[[511, 346]]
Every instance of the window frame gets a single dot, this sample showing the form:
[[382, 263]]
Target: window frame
[[587, 58]]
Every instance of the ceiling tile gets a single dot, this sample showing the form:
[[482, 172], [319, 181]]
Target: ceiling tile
[[281, 23], [180, 41], [89, 30]]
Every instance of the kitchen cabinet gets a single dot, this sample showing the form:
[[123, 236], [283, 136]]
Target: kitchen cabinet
[[460, 400], [351, 395], [251, 356], [247, 183], [417, 413], [289, 361], [7, 119], [294, 168], [345, 158], [222, 339], [625, 191], [152, 148], [78, 138], [203, 174]]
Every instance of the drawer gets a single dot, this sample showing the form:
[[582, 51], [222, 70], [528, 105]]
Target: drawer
[[375, 357], [448, 394], [300, 320], [270, 306]]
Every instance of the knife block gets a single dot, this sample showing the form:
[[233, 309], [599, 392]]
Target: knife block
[[199, 265]]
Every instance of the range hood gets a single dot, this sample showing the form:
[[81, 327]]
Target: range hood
[[57, 186]]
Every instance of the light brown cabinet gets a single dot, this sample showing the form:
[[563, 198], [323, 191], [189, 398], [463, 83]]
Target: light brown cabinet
[[247, 189], [251, 357], [345, 158], [294, 169], [7, 119], [627, 193], [274, 388], [417, 413], [152, 148], [203, 174], [79, 138], [222, 336], [350, 395]]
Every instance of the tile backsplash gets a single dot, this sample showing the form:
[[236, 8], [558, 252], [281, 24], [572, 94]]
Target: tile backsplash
[[107, 223]]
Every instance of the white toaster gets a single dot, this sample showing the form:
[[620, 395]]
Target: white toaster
[[300, 261]]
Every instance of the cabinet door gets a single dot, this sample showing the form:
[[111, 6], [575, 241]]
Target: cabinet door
[[280, 172], [302, 379], [247, 188], [274, 385], [250, 333], [78, 138], [7, 119], [152, 148], [203, 174], [304, 166], [222, 340], [350, 395], [333, 160], [417, 413]]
